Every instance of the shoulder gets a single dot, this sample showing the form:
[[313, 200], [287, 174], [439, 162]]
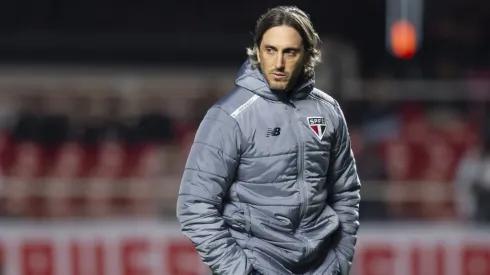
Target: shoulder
[[226, 108], [323, 98], [328, 102], [235, 101]]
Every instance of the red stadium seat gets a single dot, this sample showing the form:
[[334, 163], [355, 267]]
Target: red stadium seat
[[102, 186], [63, 178], [20, 192], [145, 177]]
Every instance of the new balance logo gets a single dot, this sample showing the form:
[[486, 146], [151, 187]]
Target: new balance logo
[[273, 132]]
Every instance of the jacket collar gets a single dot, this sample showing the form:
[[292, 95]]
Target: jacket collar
[[253, 80]]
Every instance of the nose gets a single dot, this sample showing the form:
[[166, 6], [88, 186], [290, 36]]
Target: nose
[[279, 61]]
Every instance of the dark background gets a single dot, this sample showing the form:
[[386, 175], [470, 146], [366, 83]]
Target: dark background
[[216, 32]]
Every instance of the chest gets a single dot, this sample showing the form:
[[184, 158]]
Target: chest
[[287, 139], [278, 128]]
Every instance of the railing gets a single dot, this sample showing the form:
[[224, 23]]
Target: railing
[[93, 197], [164, 188]]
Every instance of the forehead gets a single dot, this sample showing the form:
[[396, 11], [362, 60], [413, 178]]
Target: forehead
[[282, 37]]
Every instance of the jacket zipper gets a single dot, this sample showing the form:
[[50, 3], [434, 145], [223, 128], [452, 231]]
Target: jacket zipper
[[301, 182], [300, 166]]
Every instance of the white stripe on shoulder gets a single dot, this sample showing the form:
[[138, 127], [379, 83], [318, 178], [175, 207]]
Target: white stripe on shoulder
[[244, 106]]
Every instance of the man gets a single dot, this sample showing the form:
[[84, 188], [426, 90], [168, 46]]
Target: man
[[270, 185]]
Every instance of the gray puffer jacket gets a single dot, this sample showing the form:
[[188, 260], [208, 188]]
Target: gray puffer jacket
[[270, 185]]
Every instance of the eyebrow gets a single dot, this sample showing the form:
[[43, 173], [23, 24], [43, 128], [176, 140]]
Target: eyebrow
[[286, 49]]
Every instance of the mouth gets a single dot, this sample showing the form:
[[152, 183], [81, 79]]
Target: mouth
[[278, 76]]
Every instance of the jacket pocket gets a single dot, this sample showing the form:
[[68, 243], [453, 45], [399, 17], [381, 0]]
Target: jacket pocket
[[246, 214], [234, 216]]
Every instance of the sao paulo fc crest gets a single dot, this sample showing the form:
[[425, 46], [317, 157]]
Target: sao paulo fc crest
[[317, 125]]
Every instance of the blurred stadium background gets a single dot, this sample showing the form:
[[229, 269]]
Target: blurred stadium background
[[100, 101]]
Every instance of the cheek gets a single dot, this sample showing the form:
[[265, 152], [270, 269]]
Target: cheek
[[263, 66], [295, 66], [261, 58]]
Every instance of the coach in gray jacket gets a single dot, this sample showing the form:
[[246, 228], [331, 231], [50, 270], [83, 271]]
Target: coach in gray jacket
[[270, 185]]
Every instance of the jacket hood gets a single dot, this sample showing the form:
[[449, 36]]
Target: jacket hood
[[253, 80]]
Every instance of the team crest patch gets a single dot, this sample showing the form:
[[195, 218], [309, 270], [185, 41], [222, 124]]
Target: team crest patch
[[317, 125]]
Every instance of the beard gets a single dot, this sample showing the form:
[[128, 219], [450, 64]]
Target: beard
[[277, 85], [285, 83]]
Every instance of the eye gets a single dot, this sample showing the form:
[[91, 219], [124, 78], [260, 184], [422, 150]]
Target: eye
[[290, 53], [269, 50]]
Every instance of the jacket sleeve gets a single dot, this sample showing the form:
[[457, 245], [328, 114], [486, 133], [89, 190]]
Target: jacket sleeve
[[209, 171], [345, 194]]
